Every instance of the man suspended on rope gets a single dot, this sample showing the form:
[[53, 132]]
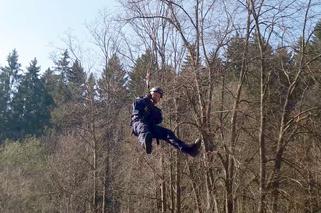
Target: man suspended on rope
[[145, 121]]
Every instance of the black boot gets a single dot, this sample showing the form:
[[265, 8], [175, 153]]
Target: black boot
[[148, 143], [194, 149]]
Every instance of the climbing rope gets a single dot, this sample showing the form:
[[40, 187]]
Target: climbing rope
[[147, 78]]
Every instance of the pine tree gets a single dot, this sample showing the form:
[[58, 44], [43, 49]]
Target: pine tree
[[50, 80], [317, 34], [234, 55], [314, 48], [137, 83], [91, 89], [31, 104], [112, 82], [63, 66], [9, 80], [76, 74], [76, 77], [189, 61], [62, 93]]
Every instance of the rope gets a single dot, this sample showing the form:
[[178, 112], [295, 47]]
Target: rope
[[147, 78], [148, 74]]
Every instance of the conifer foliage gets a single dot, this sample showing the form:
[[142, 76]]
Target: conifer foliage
[[31, 104]]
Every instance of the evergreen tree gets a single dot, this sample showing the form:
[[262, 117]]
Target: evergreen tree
[[62, 93], [234, 55], [63, 66], [68, 86], [113, 80], [137, 83], [50, 80], [317, 35], [314, 52], [76, 74], [190, 60], [31, 104], [11, 71], [9, 79], [76, 80], [91, 86]]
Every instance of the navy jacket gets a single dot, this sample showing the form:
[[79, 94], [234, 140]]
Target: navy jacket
[[146, 112]]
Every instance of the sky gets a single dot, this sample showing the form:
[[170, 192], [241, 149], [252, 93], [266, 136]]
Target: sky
[[37, 28]]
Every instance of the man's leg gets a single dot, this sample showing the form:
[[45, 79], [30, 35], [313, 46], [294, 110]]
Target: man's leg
[[144, 135], [169, 136]]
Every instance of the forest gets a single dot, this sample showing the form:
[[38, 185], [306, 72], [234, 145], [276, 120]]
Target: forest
[[244, 76]]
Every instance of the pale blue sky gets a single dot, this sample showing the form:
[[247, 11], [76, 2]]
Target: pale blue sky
[[36, 28]]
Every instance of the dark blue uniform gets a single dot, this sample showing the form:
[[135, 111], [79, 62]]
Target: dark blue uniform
[[146, 118]]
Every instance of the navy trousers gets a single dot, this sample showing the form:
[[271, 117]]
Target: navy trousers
[[140, 129]]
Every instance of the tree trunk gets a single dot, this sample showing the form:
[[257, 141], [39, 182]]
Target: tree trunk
[[229, 206], [95, 178], [195, 191], [172, 184], [262, 146], [163, 185], [178, 182]]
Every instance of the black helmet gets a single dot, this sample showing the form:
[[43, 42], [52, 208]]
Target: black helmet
[[158, 90]]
